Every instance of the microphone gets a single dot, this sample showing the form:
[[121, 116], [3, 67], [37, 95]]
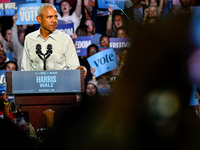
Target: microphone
[[49, 51], [38, 51]]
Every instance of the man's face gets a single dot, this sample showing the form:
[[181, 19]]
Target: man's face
[[65, 7], [8, 35], [2, 57], [48, 19], [185, 3], [135, 1], [104, 42], [11, 66]]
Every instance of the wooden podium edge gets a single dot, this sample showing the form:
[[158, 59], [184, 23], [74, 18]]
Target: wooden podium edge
[[9, 83]]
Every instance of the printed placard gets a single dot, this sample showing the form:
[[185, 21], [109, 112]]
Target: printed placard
[[66, 28], [27, 14], [120, 42], [9, 7], [116, 4], [103, 61], [82, 43]]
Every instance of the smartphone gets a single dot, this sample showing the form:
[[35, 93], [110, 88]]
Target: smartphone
[[22, 119]]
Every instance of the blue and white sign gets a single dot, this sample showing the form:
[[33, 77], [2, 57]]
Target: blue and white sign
[[9, 57], [27, 13], [66, 28], [116, 4], [82, 43], [9, 7], [103, 61], [2, 81], [120, 42]]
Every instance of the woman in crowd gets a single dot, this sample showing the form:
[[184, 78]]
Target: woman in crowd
[[92, 31], [151, 15], [75, 17], [122, 32], [114, 24]]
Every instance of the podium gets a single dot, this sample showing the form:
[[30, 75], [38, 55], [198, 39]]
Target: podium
[[37, 91]]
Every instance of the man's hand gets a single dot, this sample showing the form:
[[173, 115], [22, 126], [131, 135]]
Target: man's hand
[[84, 69]]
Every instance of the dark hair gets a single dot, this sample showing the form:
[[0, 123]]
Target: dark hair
[[121, 51], [123, 28], [92, 45], [81, 30], [103, 37], [97, 91], [13, 62], [61, 4]]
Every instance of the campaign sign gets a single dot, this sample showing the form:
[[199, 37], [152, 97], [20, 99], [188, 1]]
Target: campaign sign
[[193, 99], [27, 13], [82, 43], [9, 7], [120, 42], [2, 81], [47, 81], [116, 4], [9, 57], [103, 61], [66, 28]]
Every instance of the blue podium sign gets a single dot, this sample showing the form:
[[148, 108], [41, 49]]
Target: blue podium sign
[[58, 81]]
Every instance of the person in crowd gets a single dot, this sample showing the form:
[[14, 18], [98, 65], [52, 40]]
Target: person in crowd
[[11, 66], [155, 3], [99, 16], [135, 13], [91, 50], [117, 73], [151, 15], [122, 32], [185, 7], [92, 31], [7, 44], [75, 17], [2, 59], [113, 23], [91, 91], [104, 41], [1, 46], [17, 46], [102, 82], [64, 56]]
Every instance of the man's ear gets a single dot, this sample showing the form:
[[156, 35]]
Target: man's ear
[[39, 19]]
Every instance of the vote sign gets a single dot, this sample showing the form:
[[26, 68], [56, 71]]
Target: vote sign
[[103, 61]]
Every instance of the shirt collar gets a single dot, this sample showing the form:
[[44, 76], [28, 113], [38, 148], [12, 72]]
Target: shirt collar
[[52, 35]]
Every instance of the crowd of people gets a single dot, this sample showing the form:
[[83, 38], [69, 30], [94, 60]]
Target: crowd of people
[[89, 20]]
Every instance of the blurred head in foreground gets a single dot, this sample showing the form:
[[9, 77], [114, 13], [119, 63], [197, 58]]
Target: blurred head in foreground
[[150, 107]]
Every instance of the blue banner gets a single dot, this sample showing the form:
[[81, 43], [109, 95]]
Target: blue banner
[[120, 42], [103, 61], [27, 13], [9, 7], [2, 81], [66, 28], [9, 57], [82, 43], [117, 4]]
